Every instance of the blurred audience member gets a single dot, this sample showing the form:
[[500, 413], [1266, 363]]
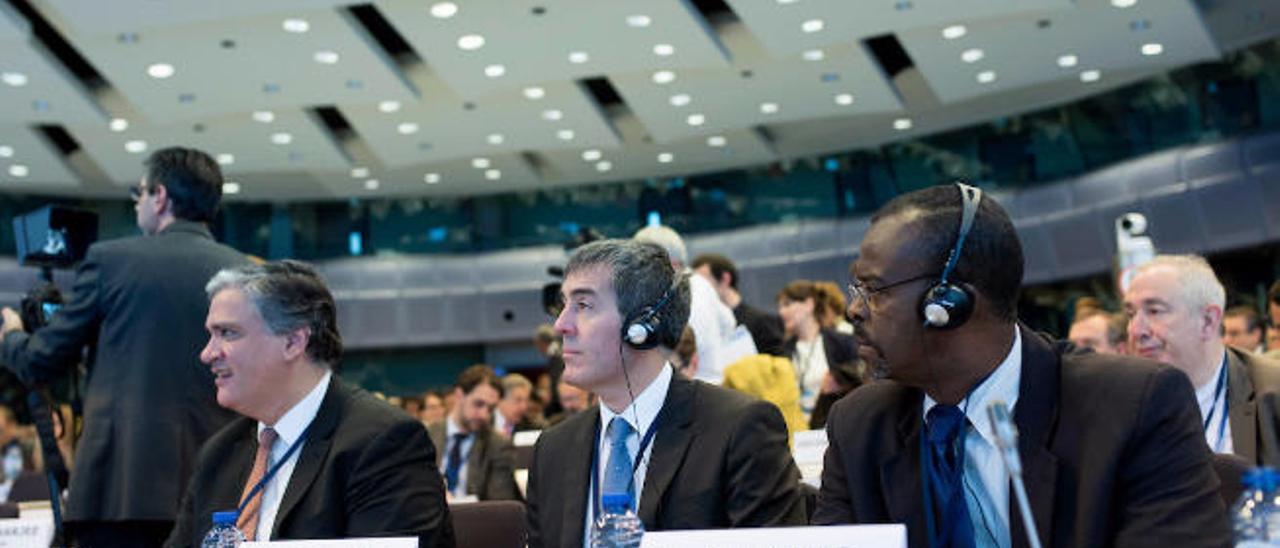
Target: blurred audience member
[[1244, 329], [433, 407], [542, 388], [15, 456], [547, 343], [765, 327], [513, 410], [572, 400], [1273, 318], [412, 404], [826, 362], [450, 401], [685, 356], [832, 309], [476, 461], [1098, 330]]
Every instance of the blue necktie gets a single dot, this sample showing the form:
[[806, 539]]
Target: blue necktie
[[617, 472], [944, 430], [455, 462]]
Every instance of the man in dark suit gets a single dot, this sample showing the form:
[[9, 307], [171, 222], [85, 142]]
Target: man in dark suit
[[148, 404], [313, 458], [688, 454], [765, 327], [1111, 447], [476, 460], [1175, 307]]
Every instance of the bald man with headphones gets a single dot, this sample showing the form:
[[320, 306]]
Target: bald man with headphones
[[1111, 448], [687, 454]]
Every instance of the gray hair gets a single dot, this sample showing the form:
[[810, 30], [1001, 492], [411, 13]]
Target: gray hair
[[512, 381], [288, 295], [640, 273], [1198, 285], [666, 238]]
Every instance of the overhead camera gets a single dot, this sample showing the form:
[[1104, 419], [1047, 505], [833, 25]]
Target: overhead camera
[[1134, 224]]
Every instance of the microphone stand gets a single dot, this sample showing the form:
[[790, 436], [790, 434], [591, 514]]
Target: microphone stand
[[1007, 441]]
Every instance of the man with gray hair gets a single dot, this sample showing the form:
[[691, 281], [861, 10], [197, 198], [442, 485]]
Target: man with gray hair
[[342, 463], [686, 454], [1175, 307]]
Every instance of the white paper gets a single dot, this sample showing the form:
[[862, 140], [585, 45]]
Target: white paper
[[738, 345], [836, 536], [34, 528], [525, 438], [388, 542]]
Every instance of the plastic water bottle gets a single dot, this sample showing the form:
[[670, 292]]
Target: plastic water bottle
[[1255, 510], [223, 534], [619, 527]]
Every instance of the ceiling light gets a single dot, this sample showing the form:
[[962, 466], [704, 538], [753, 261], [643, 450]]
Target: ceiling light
[[495, 139], [696, 119], [495, 71], [604, 166], [1090, 75], [785, 2], [552, 115], [444, 10], [663, 50], [716, 141], [986, 76], [1068, 60], [264, 116], [230, 187], [902, 5], [359, 172], [225, 159], [407, 128], [19, 170], [480, 163], [768, 108], [814, 55], [578, 57], [158, 70], [591, 155], [118, 124], [680, 99], [1123, 3], [902, 124], [954, 31], [431, 178], [326, 57], [844, 99], [972, 55], [389, 106], [471, 42], [638, 21], [136, 147], [666, 157], [565, 135], [1152, 49], [534, 93], [812, 25], [296, 26], [492, 174], [371, 184], [6, 151], [281, 138], [15, 79], [664, 77]]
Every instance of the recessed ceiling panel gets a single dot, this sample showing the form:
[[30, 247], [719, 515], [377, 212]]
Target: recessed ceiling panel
[[35, 89]]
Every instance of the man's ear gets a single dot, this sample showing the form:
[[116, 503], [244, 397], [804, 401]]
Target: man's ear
[[1211, 321], [160, 194], [296, 341]]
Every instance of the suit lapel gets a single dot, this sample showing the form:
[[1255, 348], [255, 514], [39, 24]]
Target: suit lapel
[[1036, 416], [575, 474], [311, 456], [1243, 409], [669, 446], [901, 478]]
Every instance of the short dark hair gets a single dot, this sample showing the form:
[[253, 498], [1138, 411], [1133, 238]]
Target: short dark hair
[[640, 273], [476, 375], [192, 179], [719, 265], [991, 260], [799, 290], [289, 295], [1117, 324], [1252, 320]]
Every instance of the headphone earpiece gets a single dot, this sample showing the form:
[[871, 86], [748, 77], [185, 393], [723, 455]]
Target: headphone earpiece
[[640, 331], [947, 305]]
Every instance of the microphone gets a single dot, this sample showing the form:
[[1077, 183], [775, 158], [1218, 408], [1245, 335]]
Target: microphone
[[1007, 442]]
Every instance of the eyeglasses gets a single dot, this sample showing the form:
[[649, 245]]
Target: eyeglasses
[[861, 292]]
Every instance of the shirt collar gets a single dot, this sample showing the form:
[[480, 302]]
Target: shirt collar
[[1001, 385], [1207, 395], [290, 426], [646, 405]]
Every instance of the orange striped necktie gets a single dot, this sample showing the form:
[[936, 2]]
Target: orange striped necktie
[[247, 523]]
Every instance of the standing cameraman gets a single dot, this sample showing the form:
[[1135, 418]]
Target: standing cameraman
[[139, 305]]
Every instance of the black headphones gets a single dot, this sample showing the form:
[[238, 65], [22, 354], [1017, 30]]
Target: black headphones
[[640, 330], [947, 305]]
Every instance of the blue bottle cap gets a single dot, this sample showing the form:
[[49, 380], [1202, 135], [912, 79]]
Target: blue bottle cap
[[227, 517], [615, 502]]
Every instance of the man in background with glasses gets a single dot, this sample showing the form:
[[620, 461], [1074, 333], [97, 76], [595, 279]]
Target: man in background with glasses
[[138, 306]]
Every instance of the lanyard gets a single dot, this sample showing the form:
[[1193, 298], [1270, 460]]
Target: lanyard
[[1220, 392], [262, 483], [596, 495]]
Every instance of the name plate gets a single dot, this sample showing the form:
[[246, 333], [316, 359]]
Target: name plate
[[388, 542], [835, 536], [34, 528]]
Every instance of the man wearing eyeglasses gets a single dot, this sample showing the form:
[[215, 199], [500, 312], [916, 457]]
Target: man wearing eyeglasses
[[138, 304], [1111, 447]]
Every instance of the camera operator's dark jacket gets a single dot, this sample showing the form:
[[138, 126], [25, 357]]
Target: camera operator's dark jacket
[[139, 305]]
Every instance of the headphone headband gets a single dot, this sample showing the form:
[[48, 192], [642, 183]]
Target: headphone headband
[[947, 305], [971, 196]]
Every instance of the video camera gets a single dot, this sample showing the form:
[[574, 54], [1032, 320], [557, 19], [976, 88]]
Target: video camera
[[50, 237]]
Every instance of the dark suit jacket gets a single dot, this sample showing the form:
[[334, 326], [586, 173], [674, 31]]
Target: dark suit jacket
[[841, 351], [1252, 386], [490, 463], [719, 459], [139, 303], [366, 470], [1113, 455]]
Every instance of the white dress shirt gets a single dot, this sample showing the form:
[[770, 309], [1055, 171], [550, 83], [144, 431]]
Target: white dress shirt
[[713, 325], [986, 482], [1218, 432], [451, 429], [289, 428], [644, 407], [810, 362]]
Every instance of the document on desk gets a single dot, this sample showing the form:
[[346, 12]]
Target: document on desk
[[835, 536], [396, 542], [34, 528]]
